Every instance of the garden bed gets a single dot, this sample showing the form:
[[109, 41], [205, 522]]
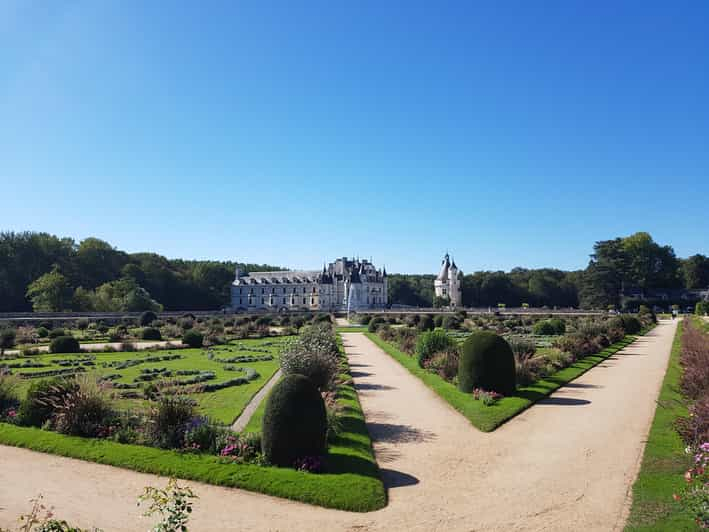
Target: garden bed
[[488, 418], [351, 481], [664, 460]]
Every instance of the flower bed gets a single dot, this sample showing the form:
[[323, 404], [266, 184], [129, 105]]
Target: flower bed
[[489, 417]]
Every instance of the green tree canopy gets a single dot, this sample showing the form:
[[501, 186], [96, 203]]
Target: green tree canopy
[[50, 292]]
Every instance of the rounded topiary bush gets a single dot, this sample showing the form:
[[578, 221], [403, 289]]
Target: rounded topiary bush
[[65, 344], [375, 324], [486, 361], [150, 333], [558, 325], [147, 317], [451, 322], [631, 324], [56, 333], [425, 323], [192, 338], [294, 422], [42, 332]]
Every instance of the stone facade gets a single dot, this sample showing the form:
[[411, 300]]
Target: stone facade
[[342, 285], [447, 284]]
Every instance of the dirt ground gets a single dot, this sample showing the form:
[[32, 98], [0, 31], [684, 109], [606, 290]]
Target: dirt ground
[[565, 464]]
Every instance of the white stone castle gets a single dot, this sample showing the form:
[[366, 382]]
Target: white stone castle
[[447, 284], [343, 285]]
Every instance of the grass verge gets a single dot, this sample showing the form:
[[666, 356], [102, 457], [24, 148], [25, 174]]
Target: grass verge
[[664, 460], [352, 482], [488, 418]]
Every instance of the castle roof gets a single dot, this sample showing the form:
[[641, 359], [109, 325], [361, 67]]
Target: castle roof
[[445, 266]]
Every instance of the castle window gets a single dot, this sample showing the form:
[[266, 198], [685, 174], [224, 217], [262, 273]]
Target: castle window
[[262, 301], [284, 300], [304, 300]]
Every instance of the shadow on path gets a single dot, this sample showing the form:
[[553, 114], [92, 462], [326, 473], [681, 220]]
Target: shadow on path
[[581, 385], [372, 386], [393, 433], [564, 401], [397, 479]]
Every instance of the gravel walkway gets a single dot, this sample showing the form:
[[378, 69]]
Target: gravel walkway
[[565, 464], [245, 416]]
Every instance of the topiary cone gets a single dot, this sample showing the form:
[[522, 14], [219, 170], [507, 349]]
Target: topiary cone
[[486, 361], [294, 422]]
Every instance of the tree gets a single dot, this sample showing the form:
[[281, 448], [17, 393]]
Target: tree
[[50, 292], [695, 271], [98, 262], [441, 302]]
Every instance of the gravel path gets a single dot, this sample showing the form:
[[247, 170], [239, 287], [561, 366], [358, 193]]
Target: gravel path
[[565, 464], [245, 416], [101, 346]]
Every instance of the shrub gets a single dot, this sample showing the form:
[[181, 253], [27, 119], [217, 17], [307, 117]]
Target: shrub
[[314, 354], [56, 333], [438, 320], [150, 333], [406, 339], [694, 359], [42, 332], [631, 324], [451, 322], [8, 390], [551, 327], [430, 343], [559, 325], [203, 435], [37, 407], [82, 324], [7, 339], [425, 323], [84, 410], [375, 324], [65, 344], [294, 422], [487, 362], [445, 364], [146, 318], [192, 338], [168, 421]]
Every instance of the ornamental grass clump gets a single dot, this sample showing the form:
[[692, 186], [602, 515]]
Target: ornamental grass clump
[[84, 409], [168, 421], [431, 342], [314, 354]]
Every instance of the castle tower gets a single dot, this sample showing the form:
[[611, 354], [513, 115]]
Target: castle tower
[[447, 284]]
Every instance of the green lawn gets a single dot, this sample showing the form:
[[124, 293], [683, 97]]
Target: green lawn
[[223, 406], [488, 418], [352, 481], [664, 461], [352, 328]]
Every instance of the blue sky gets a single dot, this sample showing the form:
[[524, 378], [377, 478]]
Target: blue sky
[[510, 133]]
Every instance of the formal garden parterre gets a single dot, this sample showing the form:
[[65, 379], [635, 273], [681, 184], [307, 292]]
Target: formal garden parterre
[[491, 368], [168, 412]]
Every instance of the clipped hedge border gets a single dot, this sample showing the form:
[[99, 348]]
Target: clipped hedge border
[[488, 418]]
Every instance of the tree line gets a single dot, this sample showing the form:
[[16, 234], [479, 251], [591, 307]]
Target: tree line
[[635, 264], [43, 272]]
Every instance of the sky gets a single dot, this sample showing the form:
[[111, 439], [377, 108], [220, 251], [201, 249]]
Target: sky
[[509, 133]]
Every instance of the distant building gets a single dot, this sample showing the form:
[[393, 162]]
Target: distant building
[[447, 284], [344, 284]]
